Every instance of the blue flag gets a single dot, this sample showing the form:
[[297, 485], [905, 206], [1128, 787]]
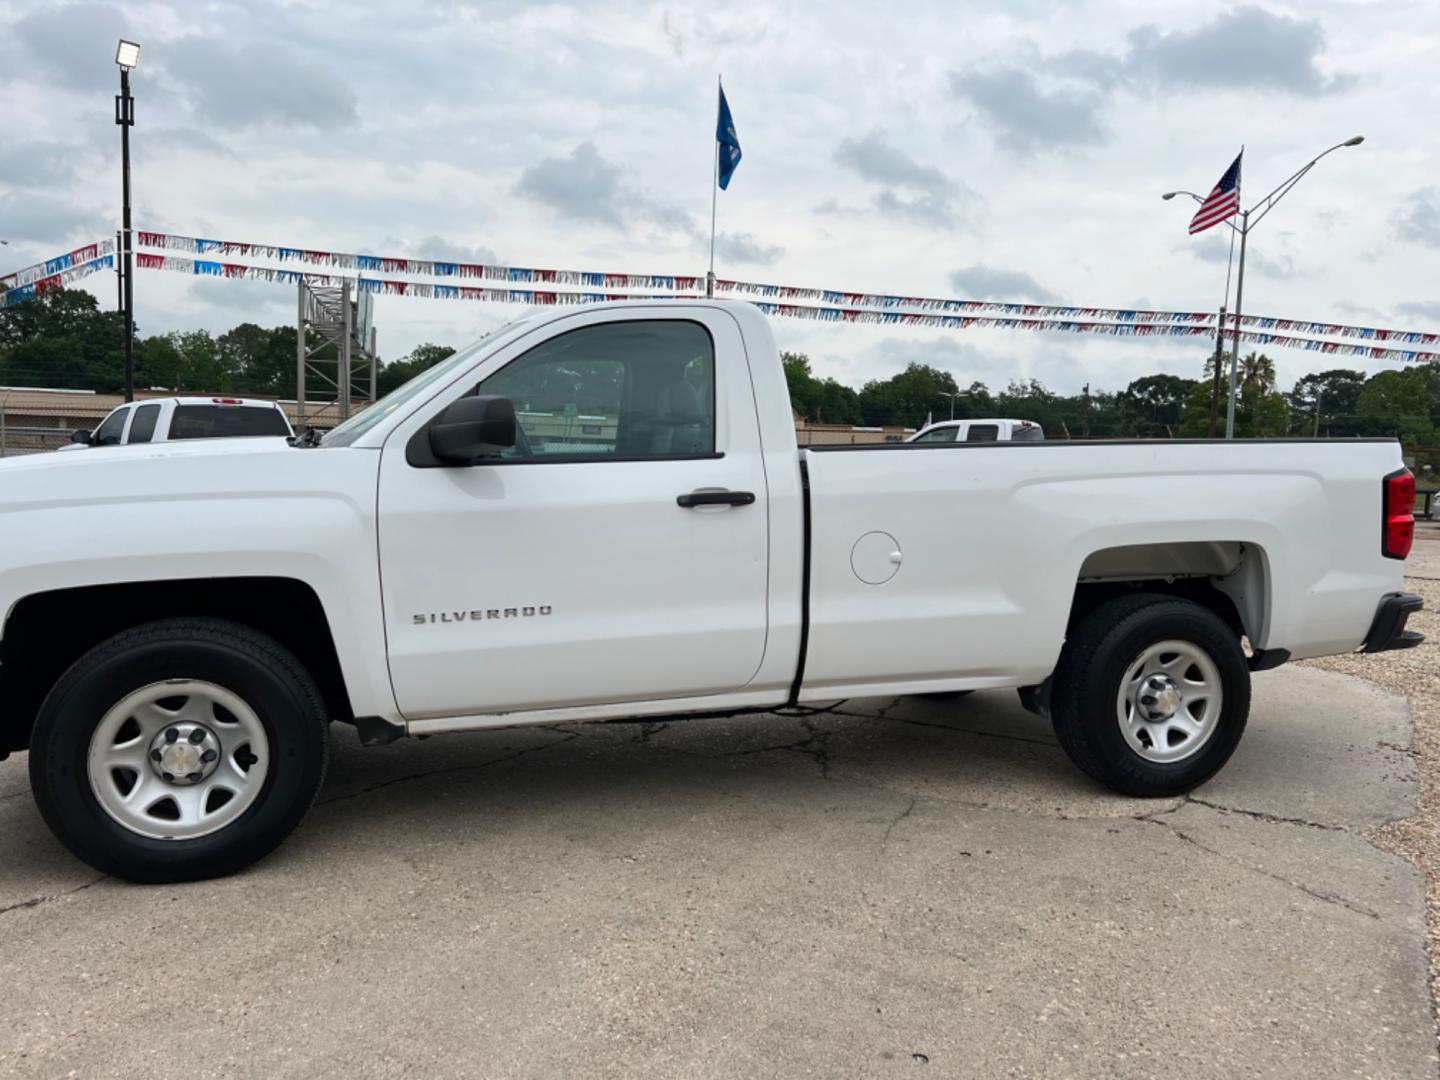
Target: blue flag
[[729, 142]]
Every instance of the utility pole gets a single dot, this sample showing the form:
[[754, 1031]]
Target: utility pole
[[1215, 383], [1319, 397]]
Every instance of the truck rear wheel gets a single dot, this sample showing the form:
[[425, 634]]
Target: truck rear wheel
[[179, 750], [1151, 695]]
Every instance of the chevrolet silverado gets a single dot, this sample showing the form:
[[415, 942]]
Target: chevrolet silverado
[[601, 514]]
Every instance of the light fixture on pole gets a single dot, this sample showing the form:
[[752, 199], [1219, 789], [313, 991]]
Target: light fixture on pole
[[127, 56], [1260, 209], [952, 398]]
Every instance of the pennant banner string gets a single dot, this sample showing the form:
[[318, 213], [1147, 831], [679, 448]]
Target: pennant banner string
[[54, 266], [543, 297], [516, 275], [74, 265], [71, 273]]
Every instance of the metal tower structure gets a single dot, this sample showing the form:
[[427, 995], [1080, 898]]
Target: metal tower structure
[[334, 351]]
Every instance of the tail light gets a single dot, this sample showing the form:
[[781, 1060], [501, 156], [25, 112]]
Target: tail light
[[1398, 524]]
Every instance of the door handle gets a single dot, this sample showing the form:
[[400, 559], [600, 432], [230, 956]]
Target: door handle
[[715, 498]]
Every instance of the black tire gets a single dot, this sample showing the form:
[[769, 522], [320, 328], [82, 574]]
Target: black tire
[[1087, 683], [265, 675]]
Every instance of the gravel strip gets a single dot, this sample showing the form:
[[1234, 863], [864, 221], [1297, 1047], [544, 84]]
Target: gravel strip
[[1416, 674]]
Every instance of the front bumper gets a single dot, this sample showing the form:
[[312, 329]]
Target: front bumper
[[1388, 630]]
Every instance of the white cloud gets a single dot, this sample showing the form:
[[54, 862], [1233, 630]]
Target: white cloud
[[982, 282]]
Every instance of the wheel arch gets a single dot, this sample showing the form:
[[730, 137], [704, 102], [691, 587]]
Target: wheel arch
[[1229, 577], [45, 632]]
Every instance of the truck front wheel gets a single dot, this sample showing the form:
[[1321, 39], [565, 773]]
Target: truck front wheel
[[1151, 695], [179, 750]]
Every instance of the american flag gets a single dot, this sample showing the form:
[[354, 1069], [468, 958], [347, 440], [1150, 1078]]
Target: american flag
[[1222, 203]]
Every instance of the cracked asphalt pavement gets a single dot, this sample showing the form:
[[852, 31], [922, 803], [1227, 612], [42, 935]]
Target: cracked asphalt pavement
[[868, 890]]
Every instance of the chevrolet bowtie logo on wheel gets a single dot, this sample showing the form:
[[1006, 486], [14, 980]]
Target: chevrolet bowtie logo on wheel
[[479, 614]]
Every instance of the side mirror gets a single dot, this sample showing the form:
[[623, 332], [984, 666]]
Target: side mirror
[[81, 436], [471, 428]]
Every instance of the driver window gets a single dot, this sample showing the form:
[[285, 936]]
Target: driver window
[[617, 390], [109, 432], [940, 434]]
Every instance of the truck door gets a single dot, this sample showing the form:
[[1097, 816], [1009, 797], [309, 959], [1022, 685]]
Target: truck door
[[617, 553]]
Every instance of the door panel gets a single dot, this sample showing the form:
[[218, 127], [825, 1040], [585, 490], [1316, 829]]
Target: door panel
[[565, 573]]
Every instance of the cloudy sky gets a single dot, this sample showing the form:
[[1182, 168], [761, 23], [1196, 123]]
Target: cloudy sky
[[1007, 149]]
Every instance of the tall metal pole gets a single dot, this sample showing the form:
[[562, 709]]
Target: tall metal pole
[[1235, 345], [374, 365], [125, 117], [1319, 397], [300, 357], [347, 326], [714, 194], [1215, 384]]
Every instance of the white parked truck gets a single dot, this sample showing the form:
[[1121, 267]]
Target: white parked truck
[[602, 513], [979, 431], [173, 418]]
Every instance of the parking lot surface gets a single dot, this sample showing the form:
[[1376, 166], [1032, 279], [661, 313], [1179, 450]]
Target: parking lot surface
[[911, 887]]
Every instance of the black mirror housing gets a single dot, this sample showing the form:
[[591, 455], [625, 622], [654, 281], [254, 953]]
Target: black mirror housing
[[471, 428], [81, 436]]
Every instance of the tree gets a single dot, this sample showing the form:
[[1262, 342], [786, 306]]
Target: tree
[[1259, 414], [399, 372], [1402, 403], [801, 383], [1258, 370], [1329, 395], [908, 398], [1152, 404], [61, 338], [262, 361], [820, 401]]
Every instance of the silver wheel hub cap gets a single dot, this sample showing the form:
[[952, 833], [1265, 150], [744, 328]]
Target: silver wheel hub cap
[[178, 759], [1169, 702], [184, 753]]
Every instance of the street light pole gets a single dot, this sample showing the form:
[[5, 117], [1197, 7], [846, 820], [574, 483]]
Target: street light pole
[[127, 55], [1260, 209], [952, 398], [1235, 343]]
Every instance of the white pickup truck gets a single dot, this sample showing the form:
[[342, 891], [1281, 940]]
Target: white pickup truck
[[979, 431], [602, 513], [174, 418]]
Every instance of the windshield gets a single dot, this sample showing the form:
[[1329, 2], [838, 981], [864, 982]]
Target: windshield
[[362, 422]]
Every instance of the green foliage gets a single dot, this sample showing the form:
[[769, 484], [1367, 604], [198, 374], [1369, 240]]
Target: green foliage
[[906, 399], [61, 338], [1259, 413], [399, 372], [1327, 394], [1402, 403], [821, 401], [1151, 405]]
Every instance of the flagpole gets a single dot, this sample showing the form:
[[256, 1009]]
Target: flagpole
[[714, 195]]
